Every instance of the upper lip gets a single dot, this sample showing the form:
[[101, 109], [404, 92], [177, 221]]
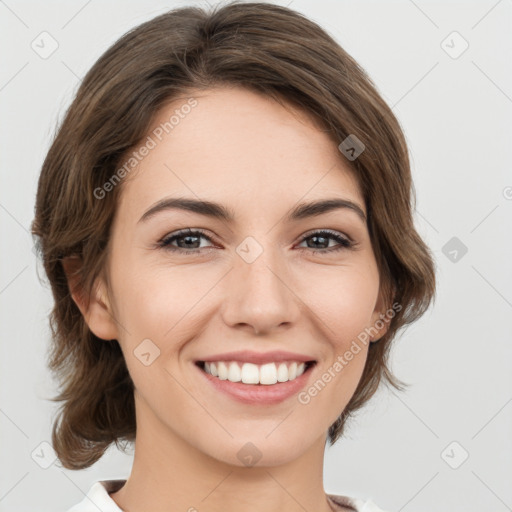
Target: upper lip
[[249, 356]]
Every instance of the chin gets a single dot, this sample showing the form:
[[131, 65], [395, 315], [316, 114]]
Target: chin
[[258, 451]]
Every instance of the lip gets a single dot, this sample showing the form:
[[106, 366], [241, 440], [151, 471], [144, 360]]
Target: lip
[[249, 356], [255, 394]]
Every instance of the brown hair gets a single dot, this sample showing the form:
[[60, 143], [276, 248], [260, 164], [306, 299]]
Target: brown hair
[[269, 49]]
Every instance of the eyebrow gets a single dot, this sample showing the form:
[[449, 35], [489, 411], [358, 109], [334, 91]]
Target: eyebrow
[[218, 211]]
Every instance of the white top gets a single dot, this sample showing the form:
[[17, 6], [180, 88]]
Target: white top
[[98, 499]]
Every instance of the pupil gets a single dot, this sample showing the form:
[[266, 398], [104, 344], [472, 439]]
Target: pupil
[[321, 238], [188, 238]]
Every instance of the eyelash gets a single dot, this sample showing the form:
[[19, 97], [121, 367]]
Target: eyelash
[[345, 243]]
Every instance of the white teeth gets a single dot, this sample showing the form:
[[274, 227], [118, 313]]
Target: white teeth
[[250, 373], [234, 373], [292, 371], [223, 370], [282, 373], [268, 374]]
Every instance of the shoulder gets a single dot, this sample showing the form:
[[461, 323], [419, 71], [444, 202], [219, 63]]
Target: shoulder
[[98, 497], [355, 504]]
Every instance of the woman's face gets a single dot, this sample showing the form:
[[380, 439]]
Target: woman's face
[[263, 281]]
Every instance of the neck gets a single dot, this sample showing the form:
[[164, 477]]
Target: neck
[[170, 474]]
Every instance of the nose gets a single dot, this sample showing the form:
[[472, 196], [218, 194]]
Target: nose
[[260, 296]]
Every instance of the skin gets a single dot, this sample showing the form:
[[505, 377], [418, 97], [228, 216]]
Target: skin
[[242, 150]]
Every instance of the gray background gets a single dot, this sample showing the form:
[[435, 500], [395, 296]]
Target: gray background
[[404, 451]]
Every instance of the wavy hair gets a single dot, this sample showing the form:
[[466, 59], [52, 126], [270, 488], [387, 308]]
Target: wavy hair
[[268, 49]]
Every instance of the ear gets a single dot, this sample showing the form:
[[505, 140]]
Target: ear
[[95, 308], [380, 320]]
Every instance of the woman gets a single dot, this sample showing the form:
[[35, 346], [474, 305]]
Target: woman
[[225, 220]]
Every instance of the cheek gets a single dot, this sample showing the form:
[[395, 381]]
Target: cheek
[[342, 301], [342, 297], [159, 299], [342, 305], [161, 304], [155, 297]]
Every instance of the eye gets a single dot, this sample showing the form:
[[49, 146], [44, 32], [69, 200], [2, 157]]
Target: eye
[[324, 236], [189, 241]]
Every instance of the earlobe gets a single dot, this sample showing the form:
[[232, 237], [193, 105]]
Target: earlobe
[[100, 318], [95, 308], [380, 326], [380, 320]]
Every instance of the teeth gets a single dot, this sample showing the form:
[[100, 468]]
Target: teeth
[[234, 373], [282, 373], [268, 374], [292, 372], [223, 370], [250, 373]]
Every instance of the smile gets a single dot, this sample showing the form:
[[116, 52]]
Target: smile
[[263, 386], [249, 373]]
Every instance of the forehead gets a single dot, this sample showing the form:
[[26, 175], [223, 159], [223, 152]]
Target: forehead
[[241, 146]]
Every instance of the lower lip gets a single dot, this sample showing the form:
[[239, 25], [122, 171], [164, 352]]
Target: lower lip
[[259, 393]]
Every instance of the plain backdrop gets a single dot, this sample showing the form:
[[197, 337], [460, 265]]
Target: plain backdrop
[[444, 67]]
